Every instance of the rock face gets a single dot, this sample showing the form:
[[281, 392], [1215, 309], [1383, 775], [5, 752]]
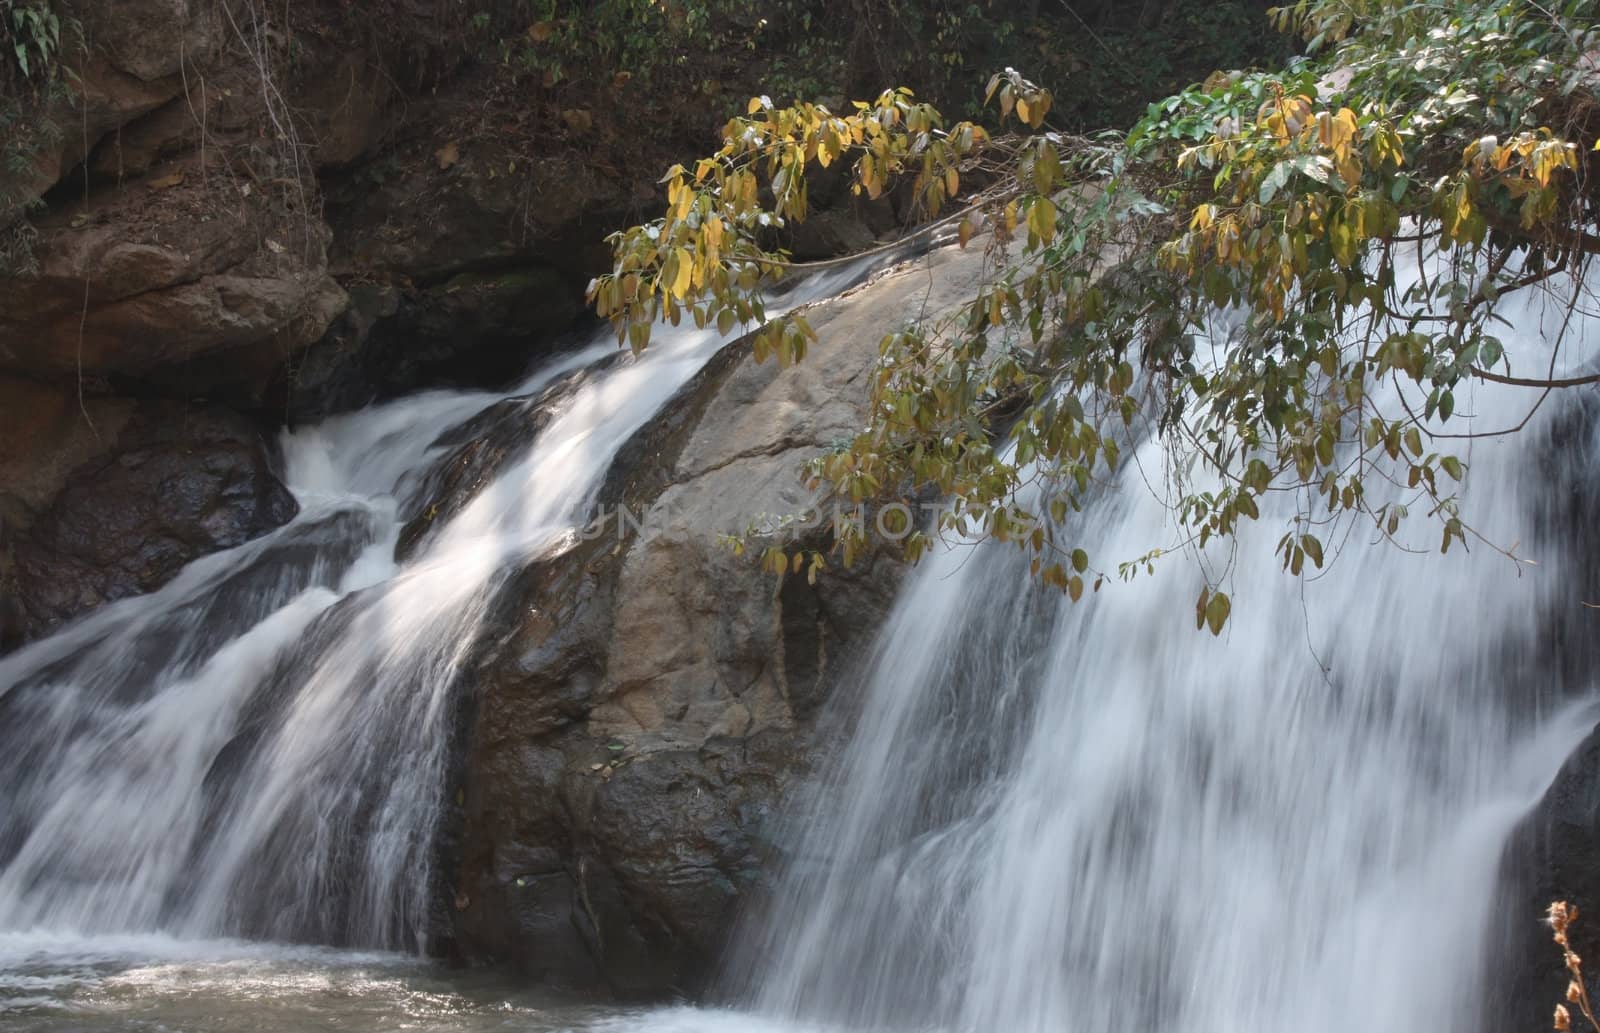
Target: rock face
[[1551, 857], [112, 499], [480, 256], [240, 211], [176, 244], [651, 695], [214, 181], [190, 294], [1554, 852]]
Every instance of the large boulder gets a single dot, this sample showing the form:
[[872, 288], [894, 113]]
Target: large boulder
[[651, 695], [181, 247], [108, 498], [195, 285]]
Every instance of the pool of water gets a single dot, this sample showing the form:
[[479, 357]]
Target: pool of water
[[51, 984]]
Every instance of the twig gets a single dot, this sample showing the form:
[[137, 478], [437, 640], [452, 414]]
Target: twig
[[1561, 916]]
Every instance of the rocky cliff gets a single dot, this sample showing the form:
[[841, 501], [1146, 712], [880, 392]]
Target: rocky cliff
[[215, 219]]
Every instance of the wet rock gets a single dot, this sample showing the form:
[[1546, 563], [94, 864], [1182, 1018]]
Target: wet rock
[[1552, 854], [479, 450], [175, 484], [474, 330], [667, 687]]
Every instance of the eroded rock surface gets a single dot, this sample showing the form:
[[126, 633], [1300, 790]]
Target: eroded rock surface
[[110, 498], [651, 697]]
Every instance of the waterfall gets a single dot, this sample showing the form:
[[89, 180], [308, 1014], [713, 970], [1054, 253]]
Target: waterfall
[[259, 749], [1041, 816], [1092, 817]]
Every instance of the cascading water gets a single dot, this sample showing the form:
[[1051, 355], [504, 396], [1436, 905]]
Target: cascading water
[[1056, 818], [259, 749], [1043, 816]]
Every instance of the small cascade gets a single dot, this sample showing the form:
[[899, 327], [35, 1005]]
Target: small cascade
[[258, 750]]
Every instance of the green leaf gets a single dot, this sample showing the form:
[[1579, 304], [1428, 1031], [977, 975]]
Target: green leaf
[[1489, 352], [1274, 181], [1216, 612]]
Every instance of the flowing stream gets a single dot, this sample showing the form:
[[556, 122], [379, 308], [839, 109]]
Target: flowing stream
[[256, 752], [1043, 817]]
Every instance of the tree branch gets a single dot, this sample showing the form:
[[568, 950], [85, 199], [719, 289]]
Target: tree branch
[[1498, 378]]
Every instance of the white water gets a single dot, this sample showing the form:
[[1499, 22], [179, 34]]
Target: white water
[[1093, 818], [258, 750], [1048, 817]]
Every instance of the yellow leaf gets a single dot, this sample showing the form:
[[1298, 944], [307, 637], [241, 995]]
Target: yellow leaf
[[1042, 219], [447, 155], [870, 178], [1038, 109], [826, 145], [683, 274]]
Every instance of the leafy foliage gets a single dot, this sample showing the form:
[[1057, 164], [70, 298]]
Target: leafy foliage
[[1114, 55], [1452, 131], [32, 35], [31, 78], [556, 41]]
